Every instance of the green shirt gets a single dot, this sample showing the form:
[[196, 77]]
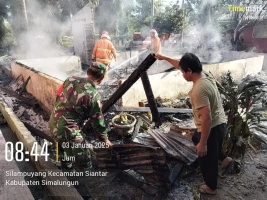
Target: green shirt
[[205, 93], [78, 101]]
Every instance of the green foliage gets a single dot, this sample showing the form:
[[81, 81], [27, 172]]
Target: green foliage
[[170, 21], [238, 101], [9, 39], [2, 29], [138, 17], [66, 41], [3, 14]]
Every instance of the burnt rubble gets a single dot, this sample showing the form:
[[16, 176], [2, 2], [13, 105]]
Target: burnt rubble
[[150, 158], [158, 168]]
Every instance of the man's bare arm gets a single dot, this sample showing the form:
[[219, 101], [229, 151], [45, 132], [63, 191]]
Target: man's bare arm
[[205, 115], [172, 61]]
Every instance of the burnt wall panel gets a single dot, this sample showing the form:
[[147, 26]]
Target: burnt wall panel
[[41, 86]]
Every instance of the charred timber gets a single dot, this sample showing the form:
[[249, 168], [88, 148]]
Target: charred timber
[[151, 99], [38, 132], [28, 101], [147, 109], [24, 86], [149, 189], [144, 66]]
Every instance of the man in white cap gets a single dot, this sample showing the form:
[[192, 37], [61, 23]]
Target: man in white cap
[[155, 42], [104, 50]]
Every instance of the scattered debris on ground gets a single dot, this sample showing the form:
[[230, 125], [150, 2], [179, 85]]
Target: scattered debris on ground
[[151, 162]]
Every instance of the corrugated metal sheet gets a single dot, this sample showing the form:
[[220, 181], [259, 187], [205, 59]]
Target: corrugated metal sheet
[[150, 162], [175, 146], [125, 156], [145, 139]]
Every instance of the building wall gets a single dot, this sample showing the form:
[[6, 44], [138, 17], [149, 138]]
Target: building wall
[[41, 86], [249, 40], [171, 85], [83, 30]]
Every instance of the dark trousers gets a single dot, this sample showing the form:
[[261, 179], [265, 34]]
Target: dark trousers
[[209, 163]]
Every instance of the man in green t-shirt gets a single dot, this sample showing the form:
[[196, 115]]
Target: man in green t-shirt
[[209, 118]]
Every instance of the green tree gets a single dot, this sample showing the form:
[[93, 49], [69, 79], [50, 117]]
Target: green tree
[[3, 14], [138, 16], [169, 21]]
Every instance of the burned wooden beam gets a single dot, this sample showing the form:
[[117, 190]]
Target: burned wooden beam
[[151, 99], [150, 59], [23, 87], [28, 101], [145, 119], [147, 109], [37, 132], [149, 189], [136, 128]]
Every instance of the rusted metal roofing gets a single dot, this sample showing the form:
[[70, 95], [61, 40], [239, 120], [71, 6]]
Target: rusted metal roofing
[[150, 162], [145, 139], [175, 146], [125, 156]]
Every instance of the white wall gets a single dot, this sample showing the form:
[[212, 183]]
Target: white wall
[[172, 84], [57, 67], [83, 33]]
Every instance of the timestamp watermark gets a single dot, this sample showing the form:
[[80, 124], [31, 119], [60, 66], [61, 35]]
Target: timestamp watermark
[[250, 8], [248, 12]]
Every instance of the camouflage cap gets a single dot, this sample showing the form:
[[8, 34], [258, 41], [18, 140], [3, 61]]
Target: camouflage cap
[[98, 67]]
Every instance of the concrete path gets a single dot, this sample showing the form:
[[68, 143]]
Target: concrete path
[[10, 192]]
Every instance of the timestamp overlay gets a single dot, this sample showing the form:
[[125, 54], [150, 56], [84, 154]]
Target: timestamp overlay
[[19, 176]]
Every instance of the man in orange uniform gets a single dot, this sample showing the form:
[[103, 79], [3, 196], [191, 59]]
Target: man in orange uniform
[[155, 42], [104, 50]]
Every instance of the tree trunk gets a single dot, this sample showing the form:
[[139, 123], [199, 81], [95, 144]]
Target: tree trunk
[[25, 13]]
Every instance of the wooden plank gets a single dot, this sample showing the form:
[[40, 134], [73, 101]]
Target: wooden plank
[[147, 109], [150, 59], [29, 101], [23, 87], [151, 100], [38, 132]]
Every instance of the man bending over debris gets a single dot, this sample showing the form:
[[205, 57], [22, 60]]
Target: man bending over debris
[[78, 100], [209, 118]]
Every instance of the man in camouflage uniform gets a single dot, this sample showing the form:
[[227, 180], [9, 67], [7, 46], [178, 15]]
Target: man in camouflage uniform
[[78, 100]]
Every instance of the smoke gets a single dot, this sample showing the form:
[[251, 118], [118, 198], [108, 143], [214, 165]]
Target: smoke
[[40, 39], [204, 36], [39, 44]]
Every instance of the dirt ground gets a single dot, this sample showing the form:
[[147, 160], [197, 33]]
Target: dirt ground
[[249, 184]]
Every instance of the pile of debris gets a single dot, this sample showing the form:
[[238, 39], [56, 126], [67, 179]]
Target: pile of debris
[[259, 105], [159, 165], [147, 148], [6, 60]]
